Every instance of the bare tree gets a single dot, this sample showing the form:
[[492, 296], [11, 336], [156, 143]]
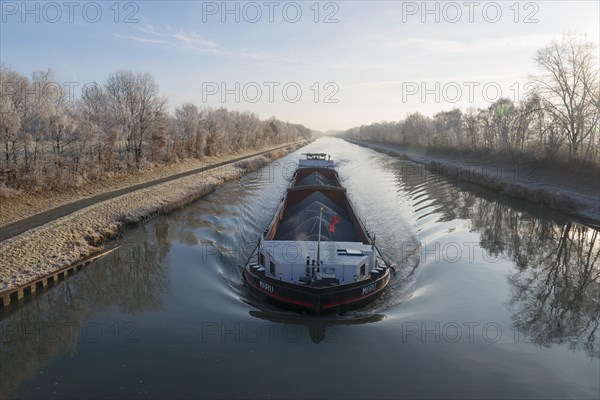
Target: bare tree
[[159, 136], [569, 85], [416, 127], [188, 125], [448, 129], [134, 98], [471, 127], [13, 87]]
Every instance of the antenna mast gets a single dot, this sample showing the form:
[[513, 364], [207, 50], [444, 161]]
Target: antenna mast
[[319, 239]]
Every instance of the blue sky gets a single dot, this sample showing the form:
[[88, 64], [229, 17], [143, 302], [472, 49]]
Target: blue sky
[[376, 60]]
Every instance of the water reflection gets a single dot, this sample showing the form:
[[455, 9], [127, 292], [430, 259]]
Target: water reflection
[[317, 326], [555, 285], [133, 279], [556, 292]]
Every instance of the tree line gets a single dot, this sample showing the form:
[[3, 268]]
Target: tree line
[[559, 118], [50, 139]]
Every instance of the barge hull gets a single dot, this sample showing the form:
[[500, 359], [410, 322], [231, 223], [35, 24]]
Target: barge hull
[[316, 300]]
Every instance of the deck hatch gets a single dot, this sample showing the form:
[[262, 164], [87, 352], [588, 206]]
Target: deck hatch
[[350, 252]]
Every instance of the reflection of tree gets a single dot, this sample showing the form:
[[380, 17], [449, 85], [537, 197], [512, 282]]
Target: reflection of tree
[[556, 285], [557, 300], [134, 278]]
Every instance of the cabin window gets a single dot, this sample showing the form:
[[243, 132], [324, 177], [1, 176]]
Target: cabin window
[[362, 269], [261, 259], [272, 268]]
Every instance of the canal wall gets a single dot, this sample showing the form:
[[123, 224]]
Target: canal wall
[[64, 244], [576, 197]]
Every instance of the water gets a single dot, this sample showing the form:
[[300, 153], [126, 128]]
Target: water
[[494, 298]]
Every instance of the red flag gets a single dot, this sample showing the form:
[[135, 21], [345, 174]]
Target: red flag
[[334, 221]]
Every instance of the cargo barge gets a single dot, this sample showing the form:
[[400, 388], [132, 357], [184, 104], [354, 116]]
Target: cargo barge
[[316, 255]]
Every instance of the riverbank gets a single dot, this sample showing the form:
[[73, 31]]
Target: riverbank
[[17, 206], [74, 237], [573, 194]]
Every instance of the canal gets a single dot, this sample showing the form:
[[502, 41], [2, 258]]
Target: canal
[[494, 297]]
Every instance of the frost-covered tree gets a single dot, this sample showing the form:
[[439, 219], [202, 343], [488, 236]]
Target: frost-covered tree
[[134, 98], [569, 84]]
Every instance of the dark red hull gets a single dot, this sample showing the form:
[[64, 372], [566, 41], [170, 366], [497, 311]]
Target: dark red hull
[[316, 300]]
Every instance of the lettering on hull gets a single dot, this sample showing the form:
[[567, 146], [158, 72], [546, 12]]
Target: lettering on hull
[[266, 286], [369, 289]]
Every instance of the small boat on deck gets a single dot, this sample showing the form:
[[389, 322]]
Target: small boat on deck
[[316, 255]]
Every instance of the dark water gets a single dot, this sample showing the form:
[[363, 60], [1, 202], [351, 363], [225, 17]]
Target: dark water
[[494, 298]]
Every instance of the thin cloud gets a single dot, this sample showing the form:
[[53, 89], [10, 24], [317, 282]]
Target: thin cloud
[[195, 42], [149, 30], [140, 39], [194, 38]]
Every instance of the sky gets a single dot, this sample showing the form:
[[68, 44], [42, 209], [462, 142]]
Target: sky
[[327, 65]]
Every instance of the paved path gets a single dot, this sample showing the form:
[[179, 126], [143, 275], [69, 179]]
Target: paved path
[[34, 221]]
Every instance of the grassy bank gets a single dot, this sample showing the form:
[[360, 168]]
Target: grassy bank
[[67, 240]]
